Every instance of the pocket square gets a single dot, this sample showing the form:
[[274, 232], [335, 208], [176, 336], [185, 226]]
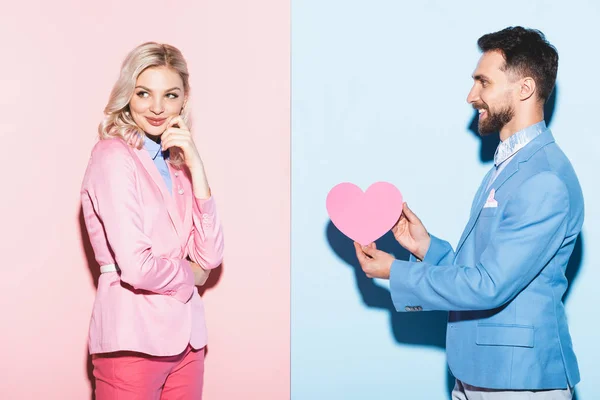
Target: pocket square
[[491, 202]]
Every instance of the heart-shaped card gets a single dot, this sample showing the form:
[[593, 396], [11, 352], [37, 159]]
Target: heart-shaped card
[[364, 216]]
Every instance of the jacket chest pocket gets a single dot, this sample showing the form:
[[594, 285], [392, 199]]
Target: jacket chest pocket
[[487, 212], [486, 224], [486, 220]]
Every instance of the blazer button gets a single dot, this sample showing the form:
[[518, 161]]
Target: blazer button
[[176, 174], [180, 191], [408, 308]]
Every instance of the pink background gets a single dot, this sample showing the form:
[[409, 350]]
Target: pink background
[[59, 61]]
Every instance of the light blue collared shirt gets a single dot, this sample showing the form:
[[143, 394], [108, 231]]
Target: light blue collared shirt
[[507, 149], [159, 157]]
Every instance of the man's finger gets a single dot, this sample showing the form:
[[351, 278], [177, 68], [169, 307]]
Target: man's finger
[[370, 250], [409, 214], [401, 220], [359, 253]]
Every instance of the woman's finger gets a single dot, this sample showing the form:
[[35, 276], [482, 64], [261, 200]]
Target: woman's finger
[[178, 120], [176, 142], [171, 131], [182, 139]]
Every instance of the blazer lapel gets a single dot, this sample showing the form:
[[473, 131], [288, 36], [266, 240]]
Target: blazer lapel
[[481, 191], [513, 166], [480, 198], [182, 194], [149, 166]]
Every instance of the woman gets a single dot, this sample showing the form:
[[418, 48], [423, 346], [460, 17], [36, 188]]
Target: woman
[[153, 225]]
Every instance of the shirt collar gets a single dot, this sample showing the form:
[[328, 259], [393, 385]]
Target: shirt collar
[[517, 141], [154, 149]]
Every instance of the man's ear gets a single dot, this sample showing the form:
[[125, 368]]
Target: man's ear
[[527, 88]]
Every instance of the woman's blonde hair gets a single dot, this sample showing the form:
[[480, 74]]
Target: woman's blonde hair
[[118, 121]]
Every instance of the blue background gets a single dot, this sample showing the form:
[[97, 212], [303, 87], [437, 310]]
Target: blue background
[[379, 93]]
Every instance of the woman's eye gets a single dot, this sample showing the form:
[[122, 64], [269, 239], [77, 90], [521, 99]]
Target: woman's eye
[[142, 94], [172, 96]]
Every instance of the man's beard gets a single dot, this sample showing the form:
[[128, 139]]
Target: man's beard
[[495, 121]]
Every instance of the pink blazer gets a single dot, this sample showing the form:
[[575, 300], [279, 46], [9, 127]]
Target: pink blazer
[[151, 305]]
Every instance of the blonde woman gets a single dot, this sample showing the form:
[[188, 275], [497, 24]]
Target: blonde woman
[[153, 225]]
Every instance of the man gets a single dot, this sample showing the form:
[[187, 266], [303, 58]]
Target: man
[[507, 332]]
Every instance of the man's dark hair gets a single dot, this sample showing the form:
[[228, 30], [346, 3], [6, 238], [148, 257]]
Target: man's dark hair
[[527, 53]]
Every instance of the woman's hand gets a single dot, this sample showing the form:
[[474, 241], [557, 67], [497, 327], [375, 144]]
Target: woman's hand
[[200, 274], [181, 137]]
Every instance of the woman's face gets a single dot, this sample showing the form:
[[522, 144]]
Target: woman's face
[[158, 97]]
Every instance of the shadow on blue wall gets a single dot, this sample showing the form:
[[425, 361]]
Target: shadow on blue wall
[[427, 328], [416, 328]]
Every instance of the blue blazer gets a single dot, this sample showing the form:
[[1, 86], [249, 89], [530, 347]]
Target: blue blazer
[[503, 285]]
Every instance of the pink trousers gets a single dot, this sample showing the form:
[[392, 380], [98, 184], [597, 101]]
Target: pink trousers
[[128, 375]]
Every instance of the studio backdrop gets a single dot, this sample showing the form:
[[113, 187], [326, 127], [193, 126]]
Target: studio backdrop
[[379, 93], [60, 60]]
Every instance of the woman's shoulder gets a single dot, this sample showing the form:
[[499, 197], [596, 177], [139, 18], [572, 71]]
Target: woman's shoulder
[[108, 146], [113, 153], [110, 159], [112, 149]]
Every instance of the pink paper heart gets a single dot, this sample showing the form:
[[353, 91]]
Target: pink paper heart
[[364, 217]]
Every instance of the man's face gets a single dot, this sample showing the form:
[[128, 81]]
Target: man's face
[[493, 93]]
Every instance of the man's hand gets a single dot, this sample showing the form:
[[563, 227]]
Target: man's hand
[[375, 263], [410, 232]]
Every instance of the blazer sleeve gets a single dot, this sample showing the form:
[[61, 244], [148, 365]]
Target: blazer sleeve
[[112, 188], [205, 246], [440, 252], [532, 230]]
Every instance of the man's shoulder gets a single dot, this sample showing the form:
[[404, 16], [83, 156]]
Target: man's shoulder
[[550, 171], [550, 159]]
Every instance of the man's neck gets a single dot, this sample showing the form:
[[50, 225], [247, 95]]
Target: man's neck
[[518, 123]]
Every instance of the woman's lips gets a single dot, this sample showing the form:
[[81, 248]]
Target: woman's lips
[[156, 121]]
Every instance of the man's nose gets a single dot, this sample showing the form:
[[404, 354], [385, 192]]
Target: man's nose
[[473, 95]]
